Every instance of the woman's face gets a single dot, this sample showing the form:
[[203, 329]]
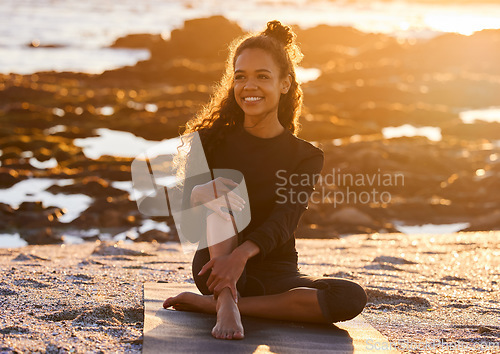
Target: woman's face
[[257, 84]]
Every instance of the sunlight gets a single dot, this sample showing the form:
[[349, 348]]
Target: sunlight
[[408, 130], [462, 23], [491, 114]]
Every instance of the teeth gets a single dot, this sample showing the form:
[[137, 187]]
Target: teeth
[[252, 98]]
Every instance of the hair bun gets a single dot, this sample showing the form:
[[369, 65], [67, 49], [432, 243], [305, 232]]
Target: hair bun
[[284, 34]]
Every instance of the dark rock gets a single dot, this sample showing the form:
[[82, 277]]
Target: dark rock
[[9, 177], [91, 185], [24, 94], [36, 44], [486, 222], [35, 215], [352, 216], [392, 260], [154, 235], [139, 40], [316, 231], [7, 292], [28, 257], [14, 330], [203, 38], [40, 236], [324, 130], [478, 130], [110, 249]]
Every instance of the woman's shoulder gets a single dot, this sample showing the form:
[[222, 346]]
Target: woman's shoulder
[[309, 158], [306, 147]]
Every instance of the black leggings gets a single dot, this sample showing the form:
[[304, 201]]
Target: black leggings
[[339, 299]]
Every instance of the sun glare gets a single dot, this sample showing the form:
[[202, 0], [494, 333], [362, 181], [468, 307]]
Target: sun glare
[[460, 23]]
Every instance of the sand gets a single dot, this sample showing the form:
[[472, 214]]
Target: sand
[[427, 293]]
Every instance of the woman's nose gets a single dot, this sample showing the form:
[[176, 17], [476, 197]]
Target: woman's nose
[[250, 85]]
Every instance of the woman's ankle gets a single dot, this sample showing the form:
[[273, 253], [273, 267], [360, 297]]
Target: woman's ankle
[[225, 296]]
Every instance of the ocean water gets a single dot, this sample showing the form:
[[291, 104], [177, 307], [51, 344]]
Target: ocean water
[[431, 133], [81, 31]]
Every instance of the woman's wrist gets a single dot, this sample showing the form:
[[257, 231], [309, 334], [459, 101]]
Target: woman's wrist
[[246, 250]]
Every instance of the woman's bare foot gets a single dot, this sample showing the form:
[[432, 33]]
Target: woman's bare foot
[[228, 324], [187, 301]]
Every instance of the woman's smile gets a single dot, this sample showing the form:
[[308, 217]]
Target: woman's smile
[[253, 99]]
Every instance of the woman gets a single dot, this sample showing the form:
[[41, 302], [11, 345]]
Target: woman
[[250, 126]]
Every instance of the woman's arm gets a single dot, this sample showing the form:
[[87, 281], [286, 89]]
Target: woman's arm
[[281, 224], [246, 250], [227, 269]]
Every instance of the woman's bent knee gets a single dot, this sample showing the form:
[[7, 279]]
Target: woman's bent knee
[[358, 300], [340, 299]]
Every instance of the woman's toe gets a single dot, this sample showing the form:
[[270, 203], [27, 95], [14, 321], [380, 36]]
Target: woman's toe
[[167, 303]]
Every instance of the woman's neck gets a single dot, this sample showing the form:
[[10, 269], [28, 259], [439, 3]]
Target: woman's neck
[[266, 128]]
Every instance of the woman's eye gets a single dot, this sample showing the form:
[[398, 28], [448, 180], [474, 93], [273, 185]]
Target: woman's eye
[[238, 77], [263, 77]]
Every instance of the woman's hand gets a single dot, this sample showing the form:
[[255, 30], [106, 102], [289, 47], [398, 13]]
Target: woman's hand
[[226, 270], [216, 195]]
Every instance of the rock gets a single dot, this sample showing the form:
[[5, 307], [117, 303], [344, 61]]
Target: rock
[[316, 231], [324, 130], [36, 44], [91, 185], [40, 237], [24, 94], [139, 40], [110, 218], [203, 38], [113, 249], [6, 209], [487, 222], [110, 213], [484, 329], [154, 235], [479, 52], [353, 216], [324, 43], [392, 260], [28, 257], [9, 177], [478, 130], [35, 215]]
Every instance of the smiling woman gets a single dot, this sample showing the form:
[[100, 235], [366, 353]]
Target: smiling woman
[[250, 126]]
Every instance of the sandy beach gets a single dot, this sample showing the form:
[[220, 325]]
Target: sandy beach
[[427, 293]]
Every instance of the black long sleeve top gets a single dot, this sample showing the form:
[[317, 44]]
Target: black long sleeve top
[[280, 174]]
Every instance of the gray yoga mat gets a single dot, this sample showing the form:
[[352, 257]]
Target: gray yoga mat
[[170, 331]]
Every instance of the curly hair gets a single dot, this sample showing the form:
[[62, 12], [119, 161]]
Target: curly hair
[[223, 113]]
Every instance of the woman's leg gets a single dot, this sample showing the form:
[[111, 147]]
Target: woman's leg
[[334, 300], [222, 240], [338, 299]]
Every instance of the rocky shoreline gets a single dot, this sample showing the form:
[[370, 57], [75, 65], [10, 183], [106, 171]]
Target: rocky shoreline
[[368, 82]]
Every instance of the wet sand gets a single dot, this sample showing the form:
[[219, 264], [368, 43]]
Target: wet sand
[[429, 293]]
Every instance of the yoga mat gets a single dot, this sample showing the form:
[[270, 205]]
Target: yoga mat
[[170, 331]]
